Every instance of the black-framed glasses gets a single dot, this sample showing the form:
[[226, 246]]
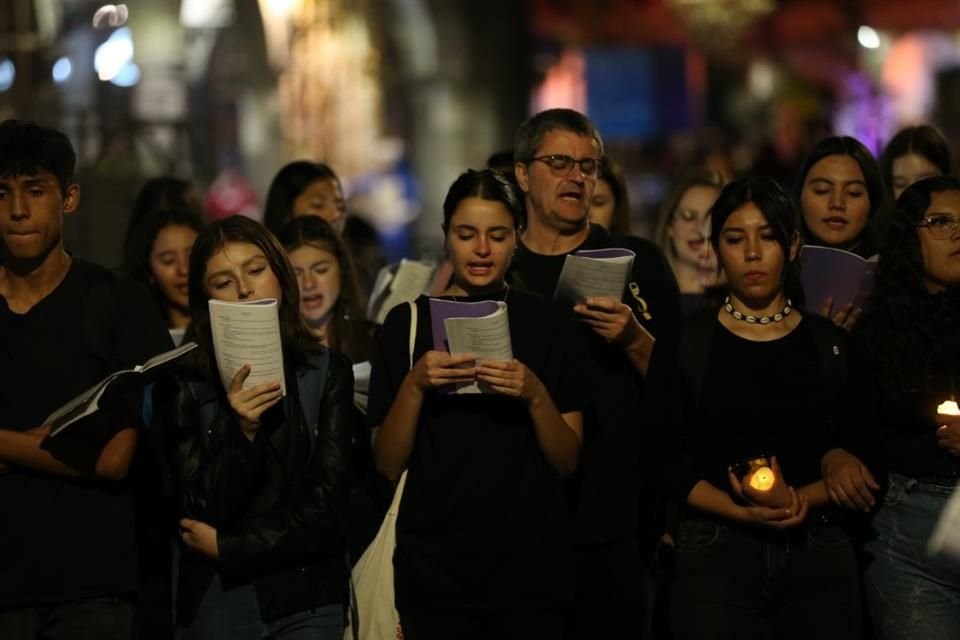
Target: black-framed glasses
[[940, 225], [561, 164]]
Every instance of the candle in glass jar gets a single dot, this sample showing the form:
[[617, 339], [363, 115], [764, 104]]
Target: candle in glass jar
[[762, 479], [948, 408]]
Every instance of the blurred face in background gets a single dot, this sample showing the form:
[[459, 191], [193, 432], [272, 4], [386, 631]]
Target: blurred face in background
[[910, 168], [603, 205], [170, 264], [324, 199], [318, 274], [689, 228]]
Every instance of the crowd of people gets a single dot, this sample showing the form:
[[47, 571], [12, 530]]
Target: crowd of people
[[704, 456]]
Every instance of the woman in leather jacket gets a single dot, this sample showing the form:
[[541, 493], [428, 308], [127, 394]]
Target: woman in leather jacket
[[260, 477]]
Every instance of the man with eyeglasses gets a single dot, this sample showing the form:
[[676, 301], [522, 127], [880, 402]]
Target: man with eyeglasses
[[557, 154]]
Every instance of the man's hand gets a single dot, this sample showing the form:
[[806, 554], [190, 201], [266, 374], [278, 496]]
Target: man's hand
[[849, 482], [200, 538], [610, 319]]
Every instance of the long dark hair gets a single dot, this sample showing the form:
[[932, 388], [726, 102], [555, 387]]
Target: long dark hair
[[140, 239], [348, 323], [845, 146], [287, 185], [926, 141], [295, 335], [698, 178], [779, 212], [906, 329], [486, 184]]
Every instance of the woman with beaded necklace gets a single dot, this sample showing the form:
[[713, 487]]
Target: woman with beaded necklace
[[759, 381], [484, 545]]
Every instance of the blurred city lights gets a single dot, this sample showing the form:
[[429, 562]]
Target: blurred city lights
[[62, 69], [7, 73], [128, 75], [868, 37], [114, 54]]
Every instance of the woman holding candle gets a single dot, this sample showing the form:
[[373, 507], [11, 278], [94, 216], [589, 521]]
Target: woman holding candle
[[484, 547], [759, 385], [910, 345]]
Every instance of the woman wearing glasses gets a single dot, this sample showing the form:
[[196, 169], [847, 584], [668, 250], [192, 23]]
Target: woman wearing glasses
[[910, 348], [682, 233]]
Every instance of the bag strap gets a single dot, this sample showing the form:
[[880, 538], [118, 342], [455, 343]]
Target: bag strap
[[413, 330]]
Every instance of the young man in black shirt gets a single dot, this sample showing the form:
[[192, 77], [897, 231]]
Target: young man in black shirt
[[67, 552], [557, 154]]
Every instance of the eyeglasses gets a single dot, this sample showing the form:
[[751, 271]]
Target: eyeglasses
[[941, 225], [560, 165]]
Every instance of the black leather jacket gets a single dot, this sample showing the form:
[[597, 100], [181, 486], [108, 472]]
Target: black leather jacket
[[278, 503]]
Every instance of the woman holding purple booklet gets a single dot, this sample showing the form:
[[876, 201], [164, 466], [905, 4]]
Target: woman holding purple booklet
[[483, 533]]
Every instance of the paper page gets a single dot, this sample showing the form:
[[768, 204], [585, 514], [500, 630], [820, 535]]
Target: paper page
[[441, 309], [248, 333], [412, 279], [167, 356], [590, 274], [826, 272], [487, 337], [946, 534]]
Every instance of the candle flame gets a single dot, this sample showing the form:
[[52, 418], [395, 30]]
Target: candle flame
[[762, 479], [948, 408]]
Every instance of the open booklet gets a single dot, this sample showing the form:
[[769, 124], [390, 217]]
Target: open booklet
[[834, 273], [396, 284], [88, 402], [594, 273], [481, 328], [248, 333]]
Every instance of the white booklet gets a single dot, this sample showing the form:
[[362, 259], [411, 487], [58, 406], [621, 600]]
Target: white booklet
[[248, 333], [396, 284], [487, 336], [594, 273], [88, 402]]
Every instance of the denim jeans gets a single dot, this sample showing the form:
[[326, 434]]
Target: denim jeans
[[911, 595], [102, 618], [736, 582], [234, 614]]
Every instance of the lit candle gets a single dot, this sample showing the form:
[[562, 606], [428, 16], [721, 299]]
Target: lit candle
[[762, 479], [948, 408]]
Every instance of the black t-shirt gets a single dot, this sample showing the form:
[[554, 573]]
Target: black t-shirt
[[64, 539], [483, 524], [756, 398], [608, 481]]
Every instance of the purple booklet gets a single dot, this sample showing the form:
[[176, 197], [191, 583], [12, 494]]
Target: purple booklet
[[834, 273], [441, 310]]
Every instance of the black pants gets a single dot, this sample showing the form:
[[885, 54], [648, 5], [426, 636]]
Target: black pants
[[95, 618], [611, 597], [733, 583], [526, 625]]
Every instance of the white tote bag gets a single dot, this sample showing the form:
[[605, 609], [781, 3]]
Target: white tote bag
[[373, 574]]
